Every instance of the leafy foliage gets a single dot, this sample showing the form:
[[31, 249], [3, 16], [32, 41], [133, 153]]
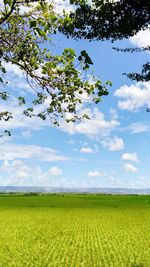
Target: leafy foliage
[[105, 19], [144, 76], [59, 81]]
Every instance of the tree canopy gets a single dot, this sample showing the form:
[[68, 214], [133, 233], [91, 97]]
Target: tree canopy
[[106, 19], [59, 81], [144, 76]]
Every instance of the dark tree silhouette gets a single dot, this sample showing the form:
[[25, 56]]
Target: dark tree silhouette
[[110, 20]]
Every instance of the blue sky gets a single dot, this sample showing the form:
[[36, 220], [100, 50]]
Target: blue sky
[[110, 150]]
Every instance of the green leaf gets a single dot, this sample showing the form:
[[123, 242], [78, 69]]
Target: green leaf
[[85, 116], [33, 23], [109, 83], [7, 2], [4, 95], [21, 100], [3, 69], [8, 132]]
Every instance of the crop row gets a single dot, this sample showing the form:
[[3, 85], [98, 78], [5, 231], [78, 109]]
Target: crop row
[[47, 237]]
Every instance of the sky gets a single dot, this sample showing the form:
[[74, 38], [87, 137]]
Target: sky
[[112, 149]]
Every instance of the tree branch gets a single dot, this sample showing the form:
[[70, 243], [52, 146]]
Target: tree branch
[[9, 13]]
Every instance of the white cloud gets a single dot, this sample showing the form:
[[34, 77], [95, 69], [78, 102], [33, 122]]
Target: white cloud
[[11, 151], [95, 127], [130, 168], [113, 144], [13, 69], [130, 156], [138, 127], [19, 120], [86, 150], [134, 96], [15, 166], [114, 113], [70, 142], [26, 134], [141, 39], [16, 80], [19, 173], [81, 159], [60, 5], [96, 174], [55, 171]]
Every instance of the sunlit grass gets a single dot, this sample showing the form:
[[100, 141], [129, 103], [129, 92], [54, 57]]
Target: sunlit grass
[[74, 230]]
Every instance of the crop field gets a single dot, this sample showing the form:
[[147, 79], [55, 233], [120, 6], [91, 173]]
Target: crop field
[[74, 231]]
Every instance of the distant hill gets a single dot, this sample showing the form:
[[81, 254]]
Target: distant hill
[[96, 190]]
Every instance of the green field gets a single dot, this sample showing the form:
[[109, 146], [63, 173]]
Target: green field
[[74, 230]]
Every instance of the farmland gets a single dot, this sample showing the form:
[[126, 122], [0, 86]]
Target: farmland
[[74, 231]]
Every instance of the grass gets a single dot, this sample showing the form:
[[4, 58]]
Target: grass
[[74, 230]]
